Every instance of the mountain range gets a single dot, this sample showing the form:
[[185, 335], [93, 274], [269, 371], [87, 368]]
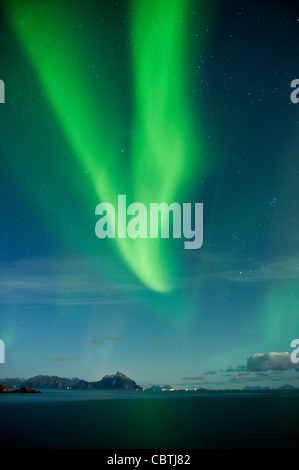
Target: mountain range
[[117, 381], [283, 387]]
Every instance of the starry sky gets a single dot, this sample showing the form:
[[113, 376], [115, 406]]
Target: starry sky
[[163, 101]]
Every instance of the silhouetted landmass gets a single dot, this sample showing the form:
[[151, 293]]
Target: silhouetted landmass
[[50, 381], [287, 387], [283, 387], [159, 388], [6, 389], [13, 382], [257, 387], [117, 381], [84, 385]]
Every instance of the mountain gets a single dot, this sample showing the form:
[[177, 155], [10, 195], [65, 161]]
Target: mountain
[[257, 387], [287, 387], [159, 388], [83, 385], [50, 381], [117, 381], [12, 382], [283, 387]]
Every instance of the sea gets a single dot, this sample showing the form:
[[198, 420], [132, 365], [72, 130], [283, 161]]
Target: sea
[[118, 419]]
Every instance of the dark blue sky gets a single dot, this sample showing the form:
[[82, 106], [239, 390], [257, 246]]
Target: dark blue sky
[[69, 304]]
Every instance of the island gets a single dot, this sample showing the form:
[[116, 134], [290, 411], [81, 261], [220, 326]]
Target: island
[[6, 389]]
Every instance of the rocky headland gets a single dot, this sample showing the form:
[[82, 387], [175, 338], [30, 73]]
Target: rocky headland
[[6, 389]]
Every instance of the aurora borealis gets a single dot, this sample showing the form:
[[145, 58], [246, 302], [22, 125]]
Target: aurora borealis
[[163, 148], [163, 101]]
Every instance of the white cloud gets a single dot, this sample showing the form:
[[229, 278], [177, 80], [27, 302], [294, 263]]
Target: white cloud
[[270, 361]]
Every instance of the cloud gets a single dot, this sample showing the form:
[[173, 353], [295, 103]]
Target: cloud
[[194, 377], [235, 369], [95, 341], [63, 358], [115, 338], [199, 377], [241, 377], [270, 361]]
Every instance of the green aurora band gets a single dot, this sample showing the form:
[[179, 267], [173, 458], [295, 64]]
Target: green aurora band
[[165, 155]]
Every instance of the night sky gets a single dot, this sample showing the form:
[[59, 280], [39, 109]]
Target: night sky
[[163, 101]]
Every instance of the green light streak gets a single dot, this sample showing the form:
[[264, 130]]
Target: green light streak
[[163, 157], [163, 154], [280, 313], [279, 319]]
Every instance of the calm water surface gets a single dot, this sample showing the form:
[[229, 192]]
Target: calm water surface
[[149, 420]]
